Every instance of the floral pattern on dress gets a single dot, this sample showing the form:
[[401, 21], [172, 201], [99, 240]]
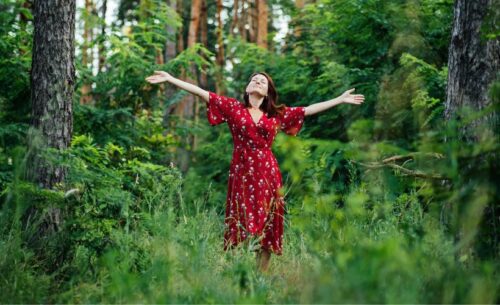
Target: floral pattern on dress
[[254, 203]]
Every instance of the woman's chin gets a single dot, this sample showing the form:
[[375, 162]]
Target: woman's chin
[[256, 93]]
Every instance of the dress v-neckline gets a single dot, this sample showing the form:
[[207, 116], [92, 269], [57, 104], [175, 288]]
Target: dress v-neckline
[[251, 117]]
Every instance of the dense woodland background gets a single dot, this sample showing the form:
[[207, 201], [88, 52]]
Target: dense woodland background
[[113, 190]]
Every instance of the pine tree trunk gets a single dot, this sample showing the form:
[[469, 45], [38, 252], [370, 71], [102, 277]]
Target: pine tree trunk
[[242, 21], [102, 50], [219, 84], [473, 64], [185, 108], [86, 57], [52, 83], [299, 4], [262, 19], [234, 22], [180, 37], [170, 53], [252, 21], [203, 26]]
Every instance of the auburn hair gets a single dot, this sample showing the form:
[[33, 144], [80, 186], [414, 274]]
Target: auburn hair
[[270, 103]]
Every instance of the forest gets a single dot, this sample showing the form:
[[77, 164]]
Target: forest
[[113, 189]]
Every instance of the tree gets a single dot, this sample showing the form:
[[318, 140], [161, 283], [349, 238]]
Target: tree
[[52, 82], [219, 84], [87, 57], [473, 63], [262, 15], [473, 66]]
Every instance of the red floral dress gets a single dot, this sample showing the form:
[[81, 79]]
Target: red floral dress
[[254, 203]]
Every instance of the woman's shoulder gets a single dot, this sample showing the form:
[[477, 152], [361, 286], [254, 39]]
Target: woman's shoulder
[[225, 103]]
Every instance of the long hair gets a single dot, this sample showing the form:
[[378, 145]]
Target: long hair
[[270, 103]]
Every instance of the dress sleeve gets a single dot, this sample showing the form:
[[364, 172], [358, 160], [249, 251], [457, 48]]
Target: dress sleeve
[[220, 108], [292, 120]]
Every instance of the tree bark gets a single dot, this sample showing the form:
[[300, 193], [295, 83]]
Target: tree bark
[[473, 64], [102, 49], [242, 21], [252, 21], [186, 108], [180, 38], [204, 39], [219, 84], [262, 19], [86, 98], [234, 22], [170, 53], [203, 81], [299, 5], [52, 82]]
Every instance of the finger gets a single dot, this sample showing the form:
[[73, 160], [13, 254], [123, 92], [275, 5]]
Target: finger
[[351, 90]]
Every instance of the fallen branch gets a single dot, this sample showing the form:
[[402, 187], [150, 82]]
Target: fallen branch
[[407, 172]]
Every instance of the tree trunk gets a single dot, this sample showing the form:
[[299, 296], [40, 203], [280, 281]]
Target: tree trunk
[[180, 38], [252, 21], [203, 81], [102, 50], [219, 84], [299, 4], [170, 53], [52, 82], [242, 21], [186, 107], [473, 64], [86, 98], [195, 22], [234, 22], [262, 18], [204, 39]]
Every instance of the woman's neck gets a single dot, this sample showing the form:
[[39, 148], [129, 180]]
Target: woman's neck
[[255, 101]]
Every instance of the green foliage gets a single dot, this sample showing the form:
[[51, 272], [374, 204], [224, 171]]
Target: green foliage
[[385, 203]]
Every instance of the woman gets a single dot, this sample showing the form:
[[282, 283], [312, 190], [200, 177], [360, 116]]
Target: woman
[[254, 203]]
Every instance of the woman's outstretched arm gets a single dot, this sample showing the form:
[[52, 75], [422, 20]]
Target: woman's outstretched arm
[[345, 98], [162, 76]]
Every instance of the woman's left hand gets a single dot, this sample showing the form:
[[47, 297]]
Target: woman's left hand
[[348, 98]]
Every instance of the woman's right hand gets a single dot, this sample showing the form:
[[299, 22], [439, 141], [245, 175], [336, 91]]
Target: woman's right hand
[[159, 77]]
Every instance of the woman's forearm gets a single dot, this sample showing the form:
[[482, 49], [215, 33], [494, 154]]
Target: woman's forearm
[[319, 107], [193, 89]]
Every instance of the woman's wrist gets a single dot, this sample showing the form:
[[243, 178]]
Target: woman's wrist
[[336, 101], [169, 79]]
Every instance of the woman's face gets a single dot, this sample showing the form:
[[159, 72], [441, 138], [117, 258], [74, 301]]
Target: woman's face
[[258, 84]]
